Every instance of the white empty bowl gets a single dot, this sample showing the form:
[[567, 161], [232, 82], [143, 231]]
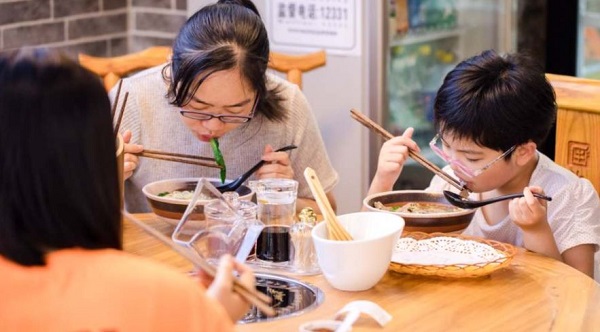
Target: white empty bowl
[[358, 264]]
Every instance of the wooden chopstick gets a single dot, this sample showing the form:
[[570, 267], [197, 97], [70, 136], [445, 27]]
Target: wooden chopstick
[[363, 119], [180, 158], [260, 300], [121, 112], [334, 229], [114, 108]]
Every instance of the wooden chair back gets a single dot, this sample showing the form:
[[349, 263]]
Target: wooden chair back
[[112, 69], [578, 125], [295, 65]]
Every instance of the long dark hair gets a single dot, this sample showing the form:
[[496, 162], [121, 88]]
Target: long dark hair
[[497, 101], [226, 35], [58, 170]]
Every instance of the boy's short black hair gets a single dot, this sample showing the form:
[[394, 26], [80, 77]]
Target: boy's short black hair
[[496, 101]]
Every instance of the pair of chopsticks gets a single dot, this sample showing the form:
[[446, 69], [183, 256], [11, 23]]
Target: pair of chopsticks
[[179, 157], [363, 119], [260, 300], [176, 157], [335, 231]]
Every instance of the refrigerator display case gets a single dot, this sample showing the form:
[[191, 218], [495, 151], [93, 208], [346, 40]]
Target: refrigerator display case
[[588, 39], [427, 38]]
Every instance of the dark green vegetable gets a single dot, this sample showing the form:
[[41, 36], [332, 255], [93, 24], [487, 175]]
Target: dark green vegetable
[[219, 158], [163, 194]]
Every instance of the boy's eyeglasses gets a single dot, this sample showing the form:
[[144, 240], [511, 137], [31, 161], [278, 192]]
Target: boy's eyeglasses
[[437, 147], [201, 116]]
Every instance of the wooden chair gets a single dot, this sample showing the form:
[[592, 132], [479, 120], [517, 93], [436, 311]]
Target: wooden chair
[[112, 69], [295, 65], [578, 125]]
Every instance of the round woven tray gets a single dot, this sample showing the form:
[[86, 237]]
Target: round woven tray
[[505, 250]]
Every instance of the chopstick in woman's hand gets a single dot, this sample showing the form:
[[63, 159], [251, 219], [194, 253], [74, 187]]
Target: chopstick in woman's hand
[[179, 157], [114, 108]]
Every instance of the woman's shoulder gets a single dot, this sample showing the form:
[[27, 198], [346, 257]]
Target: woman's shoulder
[[143, 80]]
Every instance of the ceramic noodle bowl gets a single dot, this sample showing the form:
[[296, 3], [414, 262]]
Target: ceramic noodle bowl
[[453, 219], [171, 209]]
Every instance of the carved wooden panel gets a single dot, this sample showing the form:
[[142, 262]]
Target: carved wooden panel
[[577, 143], [578, 125]]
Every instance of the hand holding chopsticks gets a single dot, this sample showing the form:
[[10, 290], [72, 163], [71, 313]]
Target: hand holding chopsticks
[[364, 120], [260, 300], [335, 231], [168, 156]]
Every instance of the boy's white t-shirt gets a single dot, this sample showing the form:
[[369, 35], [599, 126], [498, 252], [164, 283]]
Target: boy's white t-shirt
[[573, 213]]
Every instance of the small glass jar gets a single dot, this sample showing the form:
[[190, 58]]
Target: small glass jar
[[303, 257], [235, 226]]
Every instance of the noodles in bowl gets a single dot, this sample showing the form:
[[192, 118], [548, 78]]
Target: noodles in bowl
[[169, 198], [422, 211]]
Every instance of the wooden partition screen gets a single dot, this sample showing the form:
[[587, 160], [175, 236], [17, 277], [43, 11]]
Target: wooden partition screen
[[578, 125]]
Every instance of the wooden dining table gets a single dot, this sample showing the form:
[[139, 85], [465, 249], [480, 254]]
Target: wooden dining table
[[534, 293]]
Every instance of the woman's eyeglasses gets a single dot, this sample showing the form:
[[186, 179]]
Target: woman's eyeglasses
[[436, 145], [201, 116]]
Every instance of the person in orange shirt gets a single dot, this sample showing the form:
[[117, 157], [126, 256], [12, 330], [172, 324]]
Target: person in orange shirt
[[61, 264]]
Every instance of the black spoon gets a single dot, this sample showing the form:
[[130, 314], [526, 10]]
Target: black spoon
[[457, 200], [233, 185]]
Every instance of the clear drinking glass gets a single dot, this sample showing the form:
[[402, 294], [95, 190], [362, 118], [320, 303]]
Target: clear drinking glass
[[231, 226]]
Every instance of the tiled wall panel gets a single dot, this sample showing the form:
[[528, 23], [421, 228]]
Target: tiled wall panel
[[95, 27], [151, 3], [159, 22], [15, 12], [114, 4], [32, 35], [64, 8]]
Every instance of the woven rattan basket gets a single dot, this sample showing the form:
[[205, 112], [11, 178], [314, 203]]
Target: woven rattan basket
[[501, 256]]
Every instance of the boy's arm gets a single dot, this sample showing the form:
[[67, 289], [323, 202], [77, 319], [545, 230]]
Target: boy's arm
[[581, 257], [530, 214], [539, 238]]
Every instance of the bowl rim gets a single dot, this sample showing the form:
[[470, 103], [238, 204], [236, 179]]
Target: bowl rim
[[149, 195], [325, 240], [461, 212]]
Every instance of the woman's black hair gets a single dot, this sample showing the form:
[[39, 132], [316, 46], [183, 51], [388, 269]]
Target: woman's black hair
[[58, 169], [496, 101], [226, 35]]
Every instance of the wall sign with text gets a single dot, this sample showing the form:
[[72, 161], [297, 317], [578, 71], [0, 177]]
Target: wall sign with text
[[333, 25]]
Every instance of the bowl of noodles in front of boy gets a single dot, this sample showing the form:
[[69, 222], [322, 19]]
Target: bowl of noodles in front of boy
[[423, 211], [169, 199]]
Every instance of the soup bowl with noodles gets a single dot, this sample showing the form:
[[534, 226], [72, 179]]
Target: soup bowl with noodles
[[169, 198], [423, 211]]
